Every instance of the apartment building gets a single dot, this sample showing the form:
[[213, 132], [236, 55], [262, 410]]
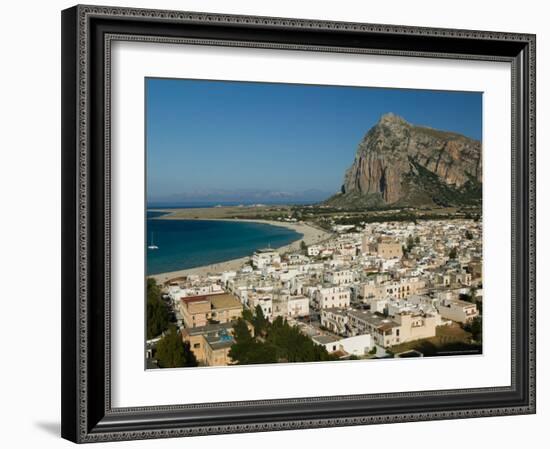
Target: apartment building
[[201, 310], [262, 258], [328, 297], [457, 310], [338, 277]]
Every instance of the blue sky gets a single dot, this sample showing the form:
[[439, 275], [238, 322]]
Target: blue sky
[[209, 136]]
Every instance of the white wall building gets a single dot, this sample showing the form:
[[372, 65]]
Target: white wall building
[[359, 345], [264, 301], [339, 277], [457, 310], [328, 297], [265, 257], [313, 250], [297, 306]]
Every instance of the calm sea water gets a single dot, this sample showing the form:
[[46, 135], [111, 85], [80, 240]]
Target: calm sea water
[[194, 243]]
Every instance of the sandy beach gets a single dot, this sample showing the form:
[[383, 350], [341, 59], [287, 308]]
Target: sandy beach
[[310, 235]]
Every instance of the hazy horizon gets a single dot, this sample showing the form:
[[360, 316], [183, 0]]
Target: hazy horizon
[[243, 143]]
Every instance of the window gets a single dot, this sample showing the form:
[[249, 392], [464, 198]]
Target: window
[[196, 345]]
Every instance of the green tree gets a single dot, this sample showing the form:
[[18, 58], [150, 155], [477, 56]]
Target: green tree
[[410, 243], [241, 333], [259, 321], [172, 352], [276, 342], [469, 235], [157, 313], [241, 350], [476, 328], [479, 305], [248, 315], [417, 240], [303, 246], [453, 253]]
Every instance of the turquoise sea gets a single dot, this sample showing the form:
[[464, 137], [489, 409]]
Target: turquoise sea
[[193, 243]]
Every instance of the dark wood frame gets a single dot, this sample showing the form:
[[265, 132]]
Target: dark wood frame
[[87, 32]]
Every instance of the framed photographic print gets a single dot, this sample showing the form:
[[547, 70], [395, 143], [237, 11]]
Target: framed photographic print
[[284, 223]]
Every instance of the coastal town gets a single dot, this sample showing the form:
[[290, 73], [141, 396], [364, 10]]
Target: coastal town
[[358, 291]]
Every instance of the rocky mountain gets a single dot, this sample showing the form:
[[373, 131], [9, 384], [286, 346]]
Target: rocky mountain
[[401, 164]]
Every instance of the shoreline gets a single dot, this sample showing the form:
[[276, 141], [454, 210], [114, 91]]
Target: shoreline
[[309, 234]]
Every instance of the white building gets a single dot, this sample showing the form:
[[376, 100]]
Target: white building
[[457, 310], [335, 320], [359, 345], [265, 257], [226, 275], [264, 301], [339, 277], [313, 250], [328, 297], [297, 306], [378, 304]]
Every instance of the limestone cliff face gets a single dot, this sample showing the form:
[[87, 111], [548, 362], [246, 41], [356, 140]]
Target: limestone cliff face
[[398, 162]]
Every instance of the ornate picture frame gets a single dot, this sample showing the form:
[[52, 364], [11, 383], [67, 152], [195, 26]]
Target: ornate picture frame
[[87, 35]]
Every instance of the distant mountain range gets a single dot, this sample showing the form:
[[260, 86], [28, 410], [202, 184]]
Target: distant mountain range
[[401, 164], [243, 196]]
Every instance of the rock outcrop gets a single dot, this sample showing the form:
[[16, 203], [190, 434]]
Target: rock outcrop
[[403, 164]]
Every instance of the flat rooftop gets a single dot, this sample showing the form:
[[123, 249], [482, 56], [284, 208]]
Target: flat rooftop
[[208, 329], [325, 339], [374, 320], [220, 342], [225, 301]]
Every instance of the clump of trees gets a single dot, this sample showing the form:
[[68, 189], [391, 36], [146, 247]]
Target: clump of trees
[[272, 342], [475, 327], [453, 253], [411, 243], [471, 297], [173, 352], [157, 313]]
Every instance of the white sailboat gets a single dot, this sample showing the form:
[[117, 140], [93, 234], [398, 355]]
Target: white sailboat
[[152, 245]]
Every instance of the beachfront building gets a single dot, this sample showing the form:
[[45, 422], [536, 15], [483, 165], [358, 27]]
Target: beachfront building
[[314, 250], [263, 258], [201, 310]]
